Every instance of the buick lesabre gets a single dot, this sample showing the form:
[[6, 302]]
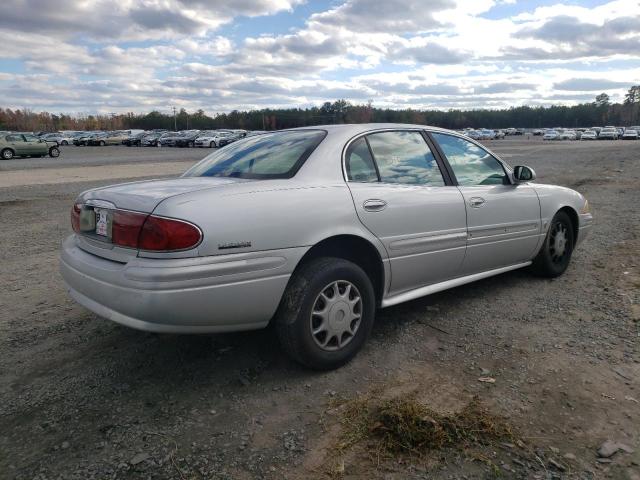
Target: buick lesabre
[[314, 229]]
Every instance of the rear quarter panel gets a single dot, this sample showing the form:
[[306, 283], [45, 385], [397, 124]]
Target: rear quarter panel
[[269, 215]]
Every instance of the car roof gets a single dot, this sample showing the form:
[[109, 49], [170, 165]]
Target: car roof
[[357, 128]]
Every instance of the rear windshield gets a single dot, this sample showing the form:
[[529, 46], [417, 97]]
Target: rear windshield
[[272, 155]]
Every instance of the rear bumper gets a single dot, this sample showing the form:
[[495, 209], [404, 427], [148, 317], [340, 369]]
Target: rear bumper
[[195, 295]]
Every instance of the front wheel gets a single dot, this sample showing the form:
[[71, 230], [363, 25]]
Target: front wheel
[[54, 152], [555, 254], [326, 313], [64, 142], [7, 154]]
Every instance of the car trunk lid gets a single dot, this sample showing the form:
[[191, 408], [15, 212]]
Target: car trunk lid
[[144, 196]]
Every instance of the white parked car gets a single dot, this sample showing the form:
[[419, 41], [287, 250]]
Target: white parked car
[[213, 139], [59, 138], [589, 135], [314, 229], [608, 133], [551, 135], [567, 135], [630, 134], [475, 134]]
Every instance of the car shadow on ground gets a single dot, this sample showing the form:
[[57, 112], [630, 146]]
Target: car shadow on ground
[[240, 358]]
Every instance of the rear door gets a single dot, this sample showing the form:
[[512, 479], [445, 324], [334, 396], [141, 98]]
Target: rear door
[[16, 142], [503, 219], [402, 195]]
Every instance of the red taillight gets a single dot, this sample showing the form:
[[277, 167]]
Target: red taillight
[[126, 227], [75, 217], [167, 234], [146, 232]]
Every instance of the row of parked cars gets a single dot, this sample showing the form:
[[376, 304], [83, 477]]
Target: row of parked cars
[[594, 133], [148, 138]]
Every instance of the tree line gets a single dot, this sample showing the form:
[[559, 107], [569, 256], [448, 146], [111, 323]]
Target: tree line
[[597, 113]]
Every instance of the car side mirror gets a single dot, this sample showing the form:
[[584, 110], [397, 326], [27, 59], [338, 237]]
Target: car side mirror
[[522, 173]]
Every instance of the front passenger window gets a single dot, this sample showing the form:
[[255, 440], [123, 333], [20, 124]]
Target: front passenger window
[[471, 164]]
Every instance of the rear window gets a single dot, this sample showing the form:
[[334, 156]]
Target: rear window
[[273, 155]]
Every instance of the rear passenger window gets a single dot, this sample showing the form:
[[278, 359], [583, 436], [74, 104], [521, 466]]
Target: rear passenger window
[[360, 166], [405, 157]]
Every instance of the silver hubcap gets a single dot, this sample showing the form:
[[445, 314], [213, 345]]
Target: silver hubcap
[[558, 243], [336, 315]]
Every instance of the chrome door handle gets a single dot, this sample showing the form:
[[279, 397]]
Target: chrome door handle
[[374, 205], [476, 202]]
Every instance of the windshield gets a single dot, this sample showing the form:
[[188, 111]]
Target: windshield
[[274, 155]]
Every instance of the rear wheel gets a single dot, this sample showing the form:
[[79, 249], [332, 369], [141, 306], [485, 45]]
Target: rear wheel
[[64, 142], [190, 144], [7, 154], [326, 313], [102, 144], [555, 254], [212, 144], [54, 152]]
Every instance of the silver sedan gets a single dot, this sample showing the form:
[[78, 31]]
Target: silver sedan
[[314, 229]]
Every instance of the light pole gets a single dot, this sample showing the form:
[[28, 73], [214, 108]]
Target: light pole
[[175, 121]]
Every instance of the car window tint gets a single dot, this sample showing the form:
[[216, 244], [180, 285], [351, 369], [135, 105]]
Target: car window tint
[[275, 155], [405, 157], [360, 166], [471, 164], [14, 138], [31, 138]]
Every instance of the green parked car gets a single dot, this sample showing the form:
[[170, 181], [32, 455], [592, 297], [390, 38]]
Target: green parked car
[[26, 145]]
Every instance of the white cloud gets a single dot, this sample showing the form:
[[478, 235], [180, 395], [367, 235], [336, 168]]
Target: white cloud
[[99, 55]]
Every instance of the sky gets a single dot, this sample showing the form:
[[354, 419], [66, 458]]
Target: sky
[[103, 56]]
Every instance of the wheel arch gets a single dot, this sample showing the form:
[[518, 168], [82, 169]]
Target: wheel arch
[[356, 249]]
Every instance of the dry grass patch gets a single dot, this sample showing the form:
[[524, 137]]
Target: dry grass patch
[[403, 425]]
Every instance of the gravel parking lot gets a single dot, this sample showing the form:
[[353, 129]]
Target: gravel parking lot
[[83, 398]]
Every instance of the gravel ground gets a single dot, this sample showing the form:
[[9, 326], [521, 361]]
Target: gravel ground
[[83, 398]]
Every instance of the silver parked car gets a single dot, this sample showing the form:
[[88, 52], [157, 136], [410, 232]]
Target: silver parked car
[[314, 229]]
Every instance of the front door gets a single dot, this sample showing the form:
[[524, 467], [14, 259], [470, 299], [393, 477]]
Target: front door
[[401, 195], [34, 146], [503, 219]]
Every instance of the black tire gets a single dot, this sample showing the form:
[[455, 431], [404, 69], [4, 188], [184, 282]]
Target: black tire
[[190, 144], [102, 144], [212, 144], [555, 254], [64, 142], [54, 152], [294, 319], [7, 154]]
